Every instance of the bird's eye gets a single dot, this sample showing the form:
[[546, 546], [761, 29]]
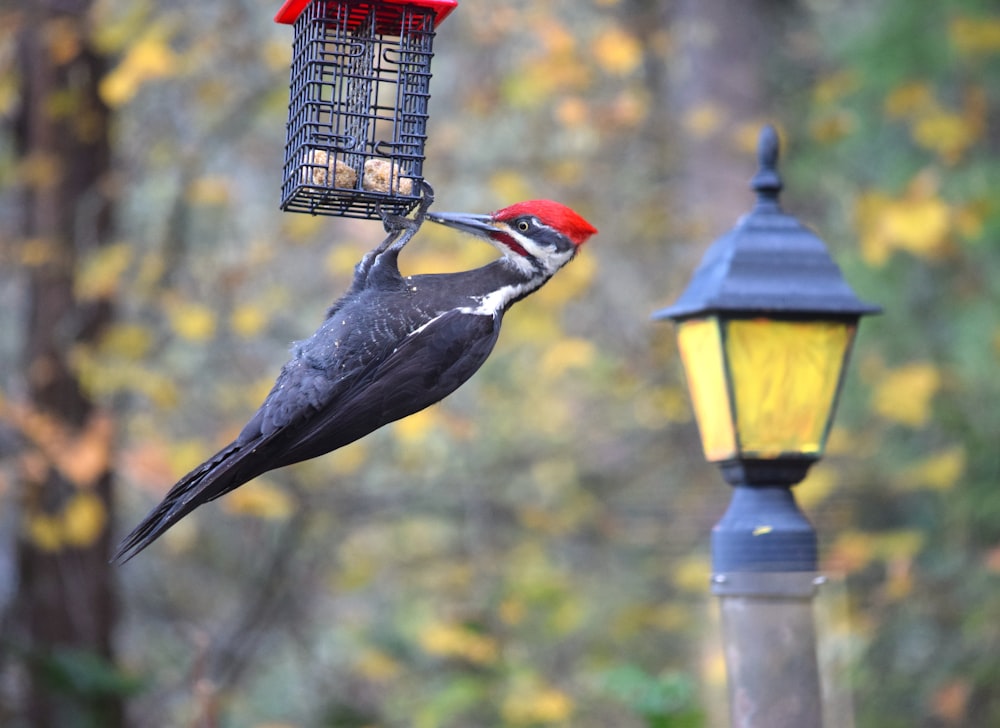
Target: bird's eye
[[523, 226]]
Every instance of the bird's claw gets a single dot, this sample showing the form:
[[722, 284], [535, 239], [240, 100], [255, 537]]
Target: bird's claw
[[400, 229], [426, 200], [395, 224]]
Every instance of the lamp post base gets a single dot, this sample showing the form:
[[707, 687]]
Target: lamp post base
[[763, 530], [764, 562]]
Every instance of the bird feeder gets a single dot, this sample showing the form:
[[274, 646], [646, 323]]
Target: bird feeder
[[357, 113]]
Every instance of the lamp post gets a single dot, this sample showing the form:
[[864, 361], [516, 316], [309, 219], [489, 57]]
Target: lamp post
[[765, 329]]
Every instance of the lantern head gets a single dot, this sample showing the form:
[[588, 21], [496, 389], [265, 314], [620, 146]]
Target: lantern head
[[765, 329]]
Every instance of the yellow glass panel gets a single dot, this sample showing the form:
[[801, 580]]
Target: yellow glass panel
[[785, 376], [700, 343]]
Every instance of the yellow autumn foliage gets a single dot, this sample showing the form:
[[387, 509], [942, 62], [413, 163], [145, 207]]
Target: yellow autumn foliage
[[617, 52], [276, 54], [83, 520], [37, 251], [512, 611], [818, 484], [192, 321], [100, 274], [566, 354], [208, 190], [259, 499], [303, 228], [639, 618], [908, 100], [571, 282], [149, 58], [415, 429], [573, 113], [79, 523], [463, 253], [536, 704], [185, 455], [63, 41], [704, 120], [510, 185], [746, 134], [112, 369], [126, 340], [81, 455], [853, 549], [444, 639], [691, 573], [939, 471], [348, 460], [342, 259], [833, 87], [975, 36], [919, 222], [248, 320], [376, 665], [947, 132], [43, 531], [658, 407], [552, 34], [904, 395]]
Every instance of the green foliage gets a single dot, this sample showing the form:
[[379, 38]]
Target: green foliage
[[87, 674], [664, 701], [916, 170]]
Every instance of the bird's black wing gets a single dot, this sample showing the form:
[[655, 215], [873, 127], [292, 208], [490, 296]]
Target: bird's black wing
[[307, 415], [425, 367]]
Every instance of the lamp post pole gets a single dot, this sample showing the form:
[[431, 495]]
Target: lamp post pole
[[764, 573], [765, 329]]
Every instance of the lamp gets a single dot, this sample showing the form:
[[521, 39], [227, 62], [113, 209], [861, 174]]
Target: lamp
[[765, 329]]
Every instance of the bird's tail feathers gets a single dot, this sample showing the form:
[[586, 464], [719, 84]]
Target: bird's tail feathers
[[215, 477]]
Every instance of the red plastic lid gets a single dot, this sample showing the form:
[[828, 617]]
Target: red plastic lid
[[291, 9]]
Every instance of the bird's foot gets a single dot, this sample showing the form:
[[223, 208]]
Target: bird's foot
[[426, 200], [395, 224], [399, 228]]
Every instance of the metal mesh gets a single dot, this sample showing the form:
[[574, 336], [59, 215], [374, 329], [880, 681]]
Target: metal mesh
[[357, 116]]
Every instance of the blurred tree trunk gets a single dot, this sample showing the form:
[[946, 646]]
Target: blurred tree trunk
[[722, 87], [65, 609]]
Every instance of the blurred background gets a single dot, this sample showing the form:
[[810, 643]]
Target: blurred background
[[534, 550]]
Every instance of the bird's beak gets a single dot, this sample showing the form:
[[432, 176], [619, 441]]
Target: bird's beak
[[481, 226]]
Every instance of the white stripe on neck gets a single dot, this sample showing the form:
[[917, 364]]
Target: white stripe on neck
[[496, 301]]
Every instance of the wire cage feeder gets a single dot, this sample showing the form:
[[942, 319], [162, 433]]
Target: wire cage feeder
[[357, 113]]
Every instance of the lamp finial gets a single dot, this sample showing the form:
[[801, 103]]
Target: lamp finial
[[767, 183]]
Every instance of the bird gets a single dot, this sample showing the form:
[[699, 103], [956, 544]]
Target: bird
[[391, 346]]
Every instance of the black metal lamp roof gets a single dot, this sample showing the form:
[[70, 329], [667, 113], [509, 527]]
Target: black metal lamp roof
[[769, 263]]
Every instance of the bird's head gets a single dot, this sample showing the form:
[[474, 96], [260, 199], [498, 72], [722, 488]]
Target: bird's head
[[537, 236]]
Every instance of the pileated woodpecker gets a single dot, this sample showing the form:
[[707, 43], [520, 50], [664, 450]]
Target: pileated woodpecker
[[391, 346]]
